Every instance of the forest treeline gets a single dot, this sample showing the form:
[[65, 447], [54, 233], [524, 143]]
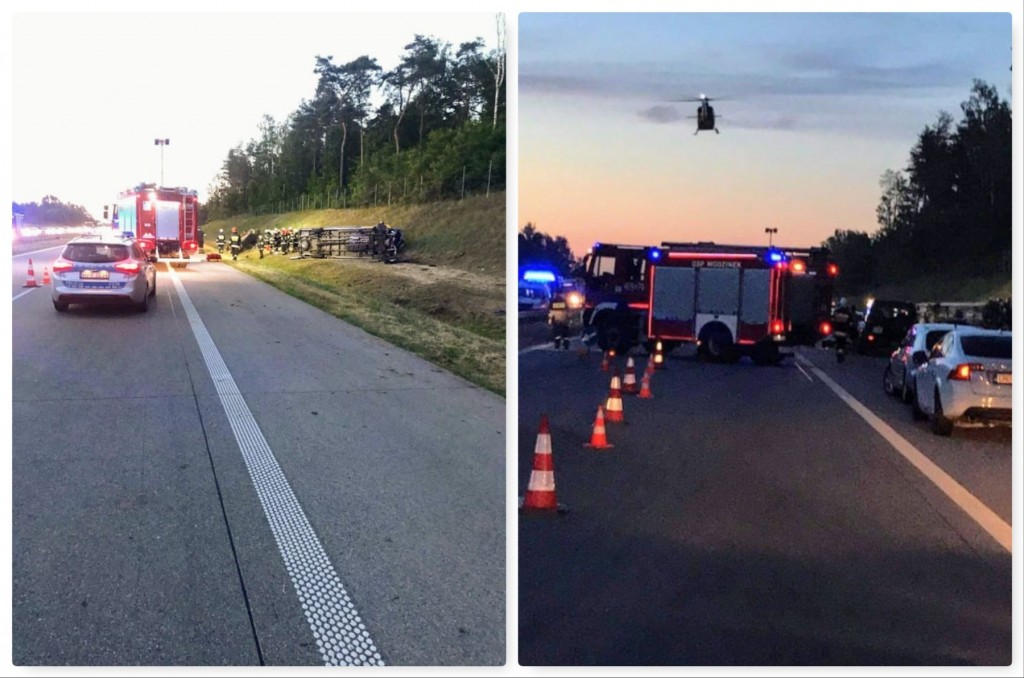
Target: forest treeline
[[52, 212], [437, 132], [948, 212]]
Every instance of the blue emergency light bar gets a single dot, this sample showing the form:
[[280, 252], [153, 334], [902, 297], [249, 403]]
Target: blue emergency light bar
[[775, 256], [654, 254], [539, 276]]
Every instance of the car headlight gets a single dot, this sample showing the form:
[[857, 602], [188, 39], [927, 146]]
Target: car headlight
[[574, 300]]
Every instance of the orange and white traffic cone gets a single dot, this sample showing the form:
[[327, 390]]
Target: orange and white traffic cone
[[31, 282], [598, 439], [629, 381], [613, 407], [659, 357], [540, 492], [645, 387], [46, 275]]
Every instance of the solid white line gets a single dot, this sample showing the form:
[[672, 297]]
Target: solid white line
[[972, 506], [336, 625], [804, 373], [25, 254], [19, 296], [536, 347]]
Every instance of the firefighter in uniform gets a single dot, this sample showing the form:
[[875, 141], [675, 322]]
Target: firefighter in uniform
[[565, 315], [220, 240], [843, 328], [236, 243]]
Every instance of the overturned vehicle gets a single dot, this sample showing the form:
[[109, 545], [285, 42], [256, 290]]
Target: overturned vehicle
[[379, 242]]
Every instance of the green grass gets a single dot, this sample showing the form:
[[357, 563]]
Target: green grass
[[447, 307]]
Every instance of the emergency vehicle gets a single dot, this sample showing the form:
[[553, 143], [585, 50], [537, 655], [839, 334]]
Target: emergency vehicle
[[731, 300], [163, 220]]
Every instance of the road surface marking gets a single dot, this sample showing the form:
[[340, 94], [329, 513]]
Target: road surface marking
[[536, 347], [972, 506], [25, 254], [19, 296], [804, 372], [336, 625]]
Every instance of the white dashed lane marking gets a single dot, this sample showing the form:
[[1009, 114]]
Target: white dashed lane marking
[[336, 625], [985, 517]]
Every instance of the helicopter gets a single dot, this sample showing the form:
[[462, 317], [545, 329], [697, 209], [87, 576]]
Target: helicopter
[[705, 114]]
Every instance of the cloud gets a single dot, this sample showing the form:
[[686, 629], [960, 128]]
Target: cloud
[[662, 115]]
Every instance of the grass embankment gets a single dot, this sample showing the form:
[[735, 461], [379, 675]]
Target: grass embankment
[[445, 302]]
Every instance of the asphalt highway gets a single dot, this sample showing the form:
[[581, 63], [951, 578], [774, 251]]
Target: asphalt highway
[[752, 516], [237, 478]]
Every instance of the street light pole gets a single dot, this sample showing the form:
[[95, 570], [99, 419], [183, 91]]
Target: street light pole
[[161, 143], [770, 232]]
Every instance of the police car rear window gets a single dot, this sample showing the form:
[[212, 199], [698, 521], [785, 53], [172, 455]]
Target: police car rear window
[[96, 253], [987, 347]]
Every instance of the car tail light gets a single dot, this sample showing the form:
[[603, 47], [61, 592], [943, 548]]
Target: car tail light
[[962, 372], [129, 267], [833, 269], [825, 328], [798, 266], [871, 337], [777, 327], [62, 266]]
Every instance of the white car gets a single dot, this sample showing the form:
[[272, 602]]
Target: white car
[[901, 370], [103, 269], [967, 379]]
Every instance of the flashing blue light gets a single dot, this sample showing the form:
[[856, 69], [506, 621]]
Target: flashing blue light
[[539, 276], [775, 257], [654, 255]]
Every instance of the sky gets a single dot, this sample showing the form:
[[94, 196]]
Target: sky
[[814, 108], [92, 91]]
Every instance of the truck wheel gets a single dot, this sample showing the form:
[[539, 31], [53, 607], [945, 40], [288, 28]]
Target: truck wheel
[[718, 344]]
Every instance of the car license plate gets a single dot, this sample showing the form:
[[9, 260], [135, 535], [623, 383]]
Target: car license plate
[[558, 304], [95, 275], [1004, 378]]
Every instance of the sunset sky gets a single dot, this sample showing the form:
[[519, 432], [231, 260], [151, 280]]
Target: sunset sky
[[818, 107], [91, 91]]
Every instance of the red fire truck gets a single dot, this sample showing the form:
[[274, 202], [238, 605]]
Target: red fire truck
[[164, 220], [731, 300]]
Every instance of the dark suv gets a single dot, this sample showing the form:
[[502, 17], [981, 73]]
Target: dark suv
[[885, 324]]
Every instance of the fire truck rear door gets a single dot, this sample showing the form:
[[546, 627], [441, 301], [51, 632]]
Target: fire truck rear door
[[167, 222], [718, 297]]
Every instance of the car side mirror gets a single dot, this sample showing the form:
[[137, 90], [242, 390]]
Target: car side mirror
[[920, 358]]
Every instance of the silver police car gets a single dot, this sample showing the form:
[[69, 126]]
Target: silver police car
[[103, 269]]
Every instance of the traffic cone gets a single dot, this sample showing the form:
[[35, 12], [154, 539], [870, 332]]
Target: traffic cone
[[46, 275], [606, 362], [613, 407], [659, 357], [645, 387], [629, 381], [598, 439], [31, 282], [540, 492]]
